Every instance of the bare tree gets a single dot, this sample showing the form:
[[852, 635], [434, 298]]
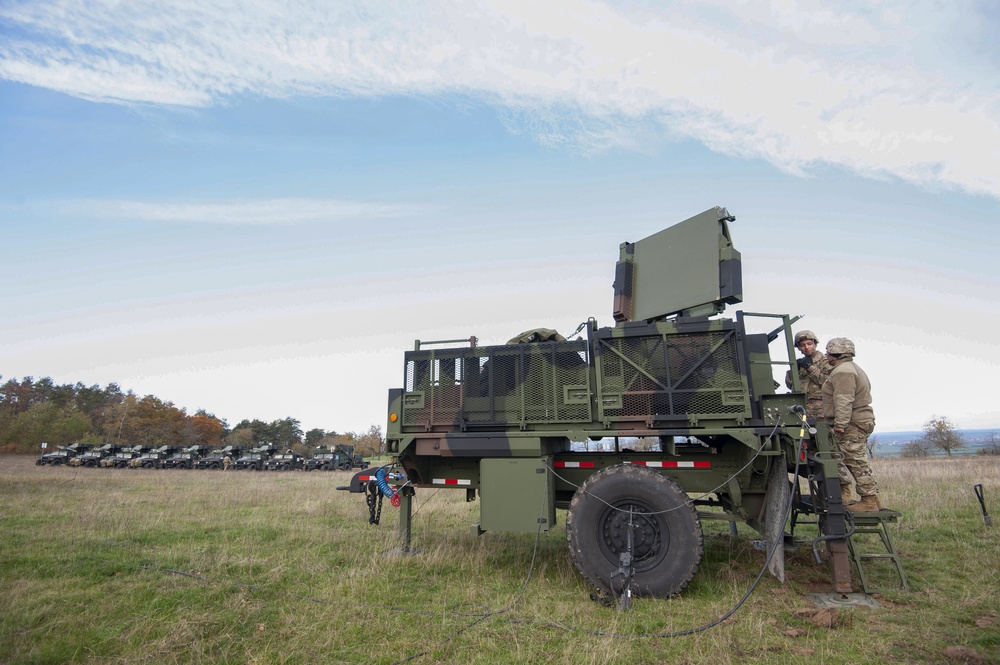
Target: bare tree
[[872, 444], [993, 446], [917, 448], [940, 433]]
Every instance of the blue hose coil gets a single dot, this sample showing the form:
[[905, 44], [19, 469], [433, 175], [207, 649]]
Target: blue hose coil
[[383, 486]]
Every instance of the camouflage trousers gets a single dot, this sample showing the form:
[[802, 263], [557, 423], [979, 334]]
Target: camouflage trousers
[[853, 444]]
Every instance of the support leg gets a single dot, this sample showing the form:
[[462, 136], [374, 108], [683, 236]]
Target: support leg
[[405, 518]]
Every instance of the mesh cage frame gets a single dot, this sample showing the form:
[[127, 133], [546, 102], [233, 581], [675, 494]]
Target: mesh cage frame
[[671, 375], [505, 386]]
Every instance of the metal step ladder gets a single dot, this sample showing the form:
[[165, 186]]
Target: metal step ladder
[[875, 523]]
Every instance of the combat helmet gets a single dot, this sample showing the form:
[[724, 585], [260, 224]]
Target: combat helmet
[[805, 334], [840, 346]]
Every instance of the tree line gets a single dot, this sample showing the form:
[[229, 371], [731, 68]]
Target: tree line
[[35, 412]]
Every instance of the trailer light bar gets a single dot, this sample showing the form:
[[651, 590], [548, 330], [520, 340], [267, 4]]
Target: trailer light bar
[[673, 465]]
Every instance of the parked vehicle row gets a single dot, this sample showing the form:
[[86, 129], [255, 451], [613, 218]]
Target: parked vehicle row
[[261, 458]]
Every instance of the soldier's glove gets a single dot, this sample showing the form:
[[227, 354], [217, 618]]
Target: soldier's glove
[[804, 362]]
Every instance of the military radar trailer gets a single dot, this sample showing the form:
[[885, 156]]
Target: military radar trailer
[[510, 424]]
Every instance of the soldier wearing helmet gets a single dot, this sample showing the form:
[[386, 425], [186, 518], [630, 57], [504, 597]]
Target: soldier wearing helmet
[[813, 369], [847, 408]]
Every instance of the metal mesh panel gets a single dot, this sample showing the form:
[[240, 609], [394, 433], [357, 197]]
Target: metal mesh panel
[[501, 385], [672, 376]]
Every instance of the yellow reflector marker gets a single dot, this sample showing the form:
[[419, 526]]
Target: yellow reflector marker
[[392, 417]]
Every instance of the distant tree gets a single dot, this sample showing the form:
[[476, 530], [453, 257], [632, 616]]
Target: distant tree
[[285, 433], [643, 444], [940, 433], [242, 437], [259, 431], [992, 446], [44, 421], [314, 436], [917, 448], [207, 429], [872, 444], [371, 442]]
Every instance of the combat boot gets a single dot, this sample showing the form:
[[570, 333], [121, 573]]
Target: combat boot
[[846, 496], [868, 504]]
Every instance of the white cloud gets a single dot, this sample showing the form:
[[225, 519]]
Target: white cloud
[[896, 89], [264, 212]]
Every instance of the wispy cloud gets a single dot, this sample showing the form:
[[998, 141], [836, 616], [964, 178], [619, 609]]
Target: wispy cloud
[[897, 89], [265, 212]]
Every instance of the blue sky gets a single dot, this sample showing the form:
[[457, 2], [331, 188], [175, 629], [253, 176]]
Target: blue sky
[[256, 209]]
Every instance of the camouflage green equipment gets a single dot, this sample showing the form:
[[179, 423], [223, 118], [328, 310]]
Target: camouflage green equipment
[[805, 334], [92, 458], [517, 425], [216, 459], [289, 460], [341, 456], [153, 459], [121, 459], [63, 454], [186, 458], [256, 458], [840, 346]]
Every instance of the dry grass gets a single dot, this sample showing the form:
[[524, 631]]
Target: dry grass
[[282, 568]]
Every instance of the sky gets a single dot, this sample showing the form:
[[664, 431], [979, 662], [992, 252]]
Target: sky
[[255, 208]]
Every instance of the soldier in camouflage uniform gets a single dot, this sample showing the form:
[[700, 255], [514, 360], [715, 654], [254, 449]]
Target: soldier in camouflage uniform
[[847, 408], [813, 369]]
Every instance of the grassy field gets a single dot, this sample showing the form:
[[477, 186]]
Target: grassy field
[[136, 566]]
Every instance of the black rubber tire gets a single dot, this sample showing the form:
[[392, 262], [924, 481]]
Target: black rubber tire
[[667, 540], [346, 466], [147, 465], [285, 467], [324, 467]]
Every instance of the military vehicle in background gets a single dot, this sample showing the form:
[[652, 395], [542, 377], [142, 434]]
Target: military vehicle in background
[[341, 456], [216, 459], [63, 454], [93, 457], [288, 460], [518, 425], [185, 458], [153, 459], [256, 458], [121, 459]]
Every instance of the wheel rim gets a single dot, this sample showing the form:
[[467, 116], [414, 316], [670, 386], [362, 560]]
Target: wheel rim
[[650, 542]]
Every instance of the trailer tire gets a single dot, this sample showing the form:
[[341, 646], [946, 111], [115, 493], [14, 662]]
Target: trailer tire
[[667, 539]]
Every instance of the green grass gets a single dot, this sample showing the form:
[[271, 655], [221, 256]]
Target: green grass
[[146, 566]]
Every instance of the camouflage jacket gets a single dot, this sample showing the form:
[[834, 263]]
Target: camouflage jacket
[[847, 395], [812, 378]]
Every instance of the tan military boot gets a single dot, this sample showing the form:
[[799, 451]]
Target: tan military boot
[[846, 496], [868, 504]]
